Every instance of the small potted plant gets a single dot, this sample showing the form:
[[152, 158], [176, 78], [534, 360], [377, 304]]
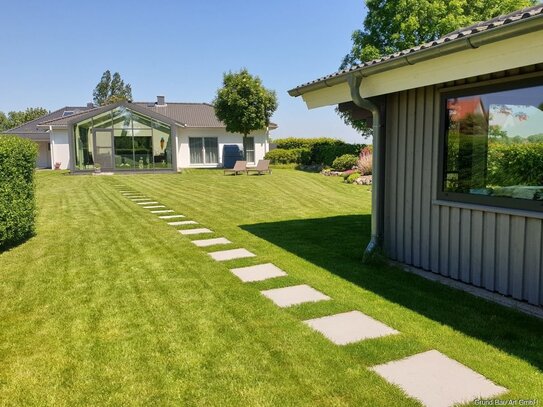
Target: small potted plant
[[57, 166], [97, 168]]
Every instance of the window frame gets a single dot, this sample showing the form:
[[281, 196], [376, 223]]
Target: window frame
[[464, 91], [203, 151]]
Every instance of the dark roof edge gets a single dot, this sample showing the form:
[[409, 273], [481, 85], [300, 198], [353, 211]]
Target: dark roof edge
[[93, 112], [491, 35]]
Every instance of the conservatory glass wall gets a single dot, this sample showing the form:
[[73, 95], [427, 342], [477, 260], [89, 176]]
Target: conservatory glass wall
[[122, 139]]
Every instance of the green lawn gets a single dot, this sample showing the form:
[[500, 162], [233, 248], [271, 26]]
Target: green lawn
[[108, 305]]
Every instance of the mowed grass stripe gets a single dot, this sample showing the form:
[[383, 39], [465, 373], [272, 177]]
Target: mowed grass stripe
[[320, 241], [139, 307]]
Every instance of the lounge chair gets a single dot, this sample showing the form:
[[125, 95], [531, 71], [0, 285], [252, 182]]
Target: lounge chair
[[239, 167], [261, 167]]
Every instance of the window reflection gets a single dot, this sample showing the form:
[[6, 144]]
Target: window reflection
[[494, 144]]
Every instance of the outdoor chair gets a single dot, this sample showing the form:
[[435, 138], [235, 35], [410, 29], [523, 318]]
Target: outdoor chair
[[239, 167], [262, 167]]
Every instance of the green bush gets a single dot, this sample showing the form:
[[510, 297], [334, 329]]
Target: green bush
[[345, 162], [294, 142], [352, 178], [515, 164], [17, 206], [321, 150], [292, 156]]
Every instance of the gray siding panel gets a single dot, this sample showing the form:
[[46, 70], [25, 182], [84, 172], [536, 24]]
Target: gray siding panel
[[400, 187], [476, 247], [465, 246], [497, 251]]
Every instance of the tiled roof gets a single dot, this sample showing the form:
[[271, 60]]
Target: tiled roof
[[527, 13], [189, 114], [31, 127]]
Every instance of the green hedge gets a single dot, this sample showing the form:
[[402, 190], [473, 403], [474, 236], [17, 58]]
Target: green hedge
[[17, 206], [515, 164], [292, 156], [321, 150]]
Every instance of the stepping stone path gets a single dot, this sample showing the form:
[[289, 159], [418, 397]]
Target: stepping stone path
[[258, 273], [211, 242], [183, 222], [225, 255], [349, 327], [436, 380], [195, 231], [294, 295], [430, 377]]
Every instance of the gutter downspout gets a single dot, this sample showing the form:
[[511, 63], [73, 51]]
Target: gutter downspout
[[52, 144], [377, 173]]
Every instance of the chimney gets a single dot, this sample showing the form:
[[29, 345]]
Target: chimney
[[161, 101], [90, 104]]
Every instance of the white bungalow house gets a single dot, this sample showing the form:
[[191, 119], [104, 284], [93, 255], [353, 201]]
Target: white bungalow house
[[140, 136]]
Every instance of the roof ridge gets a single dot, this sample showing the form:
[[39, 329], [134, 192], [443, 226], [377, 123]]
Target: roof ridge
[[38, 118]]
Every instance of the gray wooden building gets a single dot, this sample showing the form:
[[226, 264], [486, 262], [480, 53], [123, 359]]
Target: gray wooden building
[[458, 151]]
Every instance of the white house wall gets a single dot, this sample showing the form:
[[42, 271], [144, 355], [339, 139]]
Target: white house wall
[[60, 149], [224, 138], [44, 155]]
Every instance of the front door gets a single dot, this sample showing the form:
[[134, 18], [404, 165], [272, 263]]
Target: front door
[[103, 148]]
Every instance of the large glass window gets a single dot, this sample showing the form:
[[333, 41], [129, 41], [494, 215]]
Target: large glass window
[[204, 150], [493, 150], [139, 142]]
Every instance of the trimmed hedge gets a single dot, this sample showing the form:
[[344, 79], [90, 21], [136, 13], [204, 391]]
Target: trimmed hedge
[[293, 156], [17, 205], [321, 150]]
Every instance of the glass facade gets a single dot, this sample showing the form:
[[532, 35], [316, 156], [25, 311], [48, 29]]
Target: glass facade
[[138, 142], [494, 145]]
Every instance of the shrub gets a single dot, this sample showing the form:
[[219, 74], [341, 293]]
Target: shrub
[[17, 207], [352, 178], [292, 156], [515, 164], [345, 162], [294, 142], [322, 151], [365, 161]]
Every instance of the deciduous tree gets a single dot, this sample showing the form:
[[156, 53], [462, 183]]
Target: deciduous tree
[[395, 25], [243, 103], [111, 89]]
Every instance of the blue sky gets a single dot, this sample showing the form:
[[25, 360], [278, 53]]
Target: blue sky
[[55, 51]]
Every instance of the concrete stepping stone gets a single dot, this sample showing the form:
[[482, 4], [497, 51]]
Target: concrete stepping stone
[[163, 211], [171, 216], [258, 273], [294, 295], [436, 380], [147, 203], [195, 231], [225, 255], [154, 206], [349, 327], [211, 242], [139, 199], [183, 222]]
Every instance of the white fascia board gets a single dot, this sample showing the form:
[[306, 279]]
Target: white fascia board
[[522, 50]]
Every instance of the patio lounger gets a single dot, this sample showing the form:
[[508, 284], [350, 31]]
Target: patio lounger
[[261, 167], [239, 167]]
